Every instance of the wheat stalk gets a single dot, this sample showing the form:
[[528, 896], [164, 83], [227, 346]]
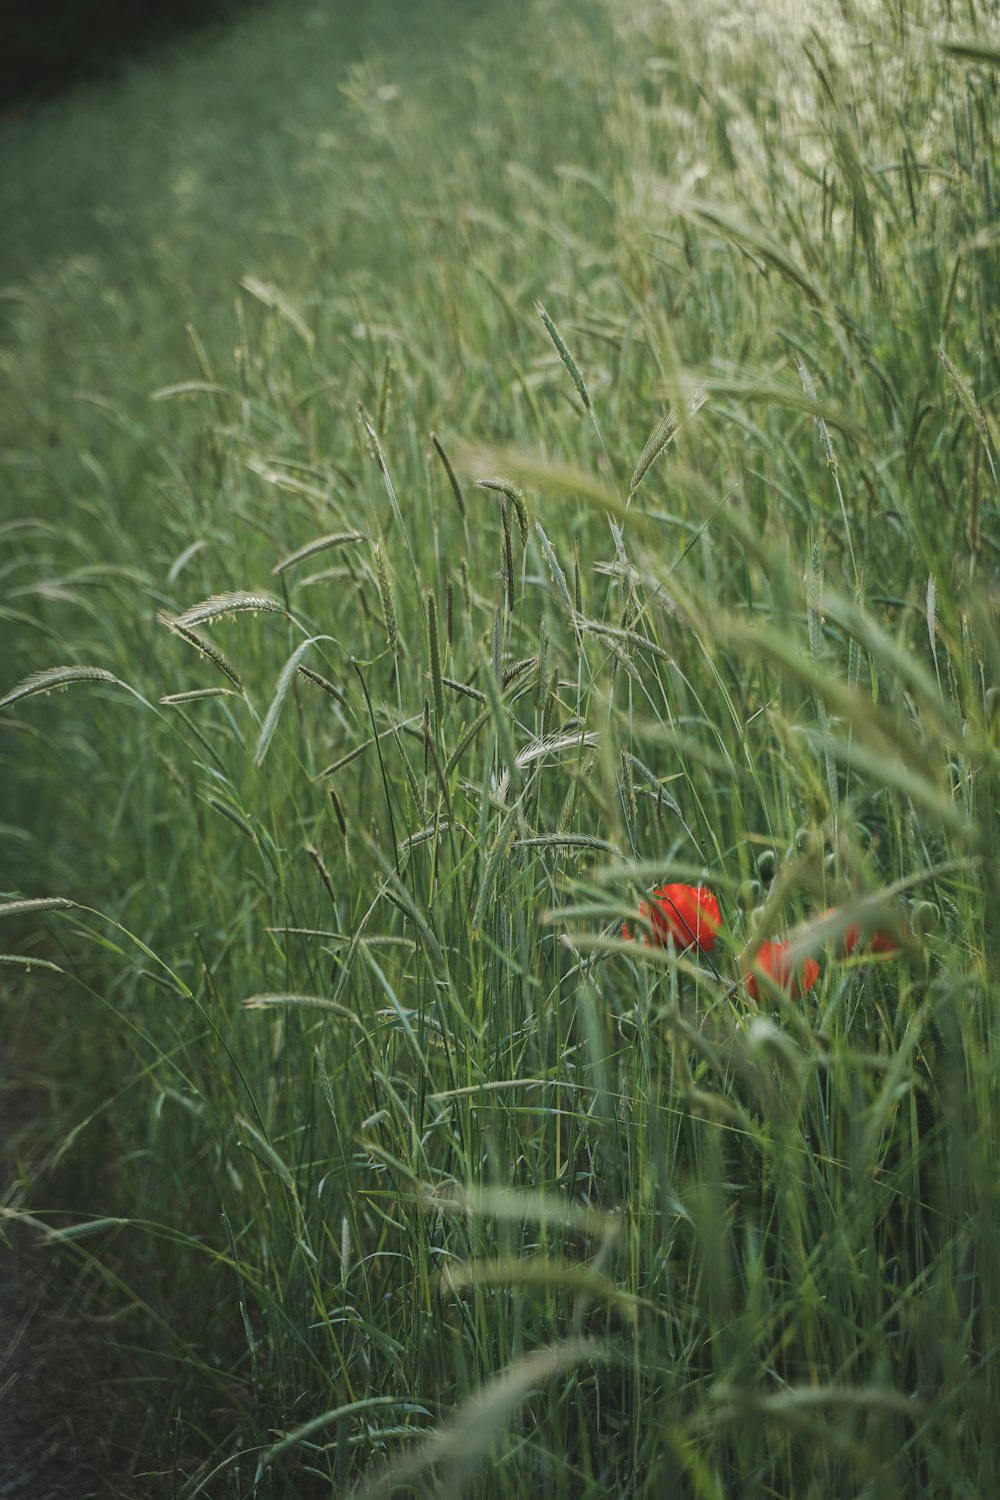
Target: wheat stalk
[[60, 677], [322, 682], [383, 579], [196, 695], [452, 480], [435, 654], [320, 544], [35, 903], [222, 605], [558, 576], [206, 647], [284, 682], [567, 358], [507, 488]]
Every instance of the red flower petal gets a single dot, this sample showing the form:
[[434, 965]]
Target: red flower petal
[[687, 914], [631, 936], [851, 935], [773, 959], [888, 942], [882, 940]]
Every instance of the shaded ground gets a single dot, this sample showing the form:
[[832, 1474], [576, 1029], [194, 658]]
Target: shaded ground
[[55, 1427], [50, 47]]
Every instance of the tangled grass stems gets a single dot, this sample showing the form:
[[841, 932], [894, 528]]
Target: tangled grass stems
[[577, 1214]]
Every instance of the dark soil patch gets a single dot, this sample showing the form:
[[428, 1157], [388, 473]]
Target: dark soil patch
[[56, 45], [58, 1416]]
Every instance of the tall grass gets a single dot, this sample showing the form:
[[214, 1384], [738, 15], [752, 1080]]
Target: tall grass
[[592, 486]]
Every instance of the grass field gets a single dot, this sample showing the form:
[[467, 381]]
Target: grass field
[[464, 470]]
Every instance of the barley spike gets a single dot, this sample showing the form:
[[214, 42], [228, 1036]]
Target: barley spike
[[564, 354]]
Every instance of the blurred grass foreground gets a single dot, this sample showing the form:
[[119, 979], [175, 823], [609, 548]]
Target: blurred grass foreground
[[466, 470]]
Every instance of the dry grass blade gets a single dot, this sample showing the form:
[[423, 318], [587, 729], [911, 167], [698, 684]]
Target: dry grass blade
[[663, 872], [931, 615]]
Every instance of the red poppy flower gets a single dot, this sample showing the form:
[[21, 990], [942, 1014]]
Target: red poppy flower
[[850, 937], [882, 940], [888, 941], [687, 914], [773, 959]]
